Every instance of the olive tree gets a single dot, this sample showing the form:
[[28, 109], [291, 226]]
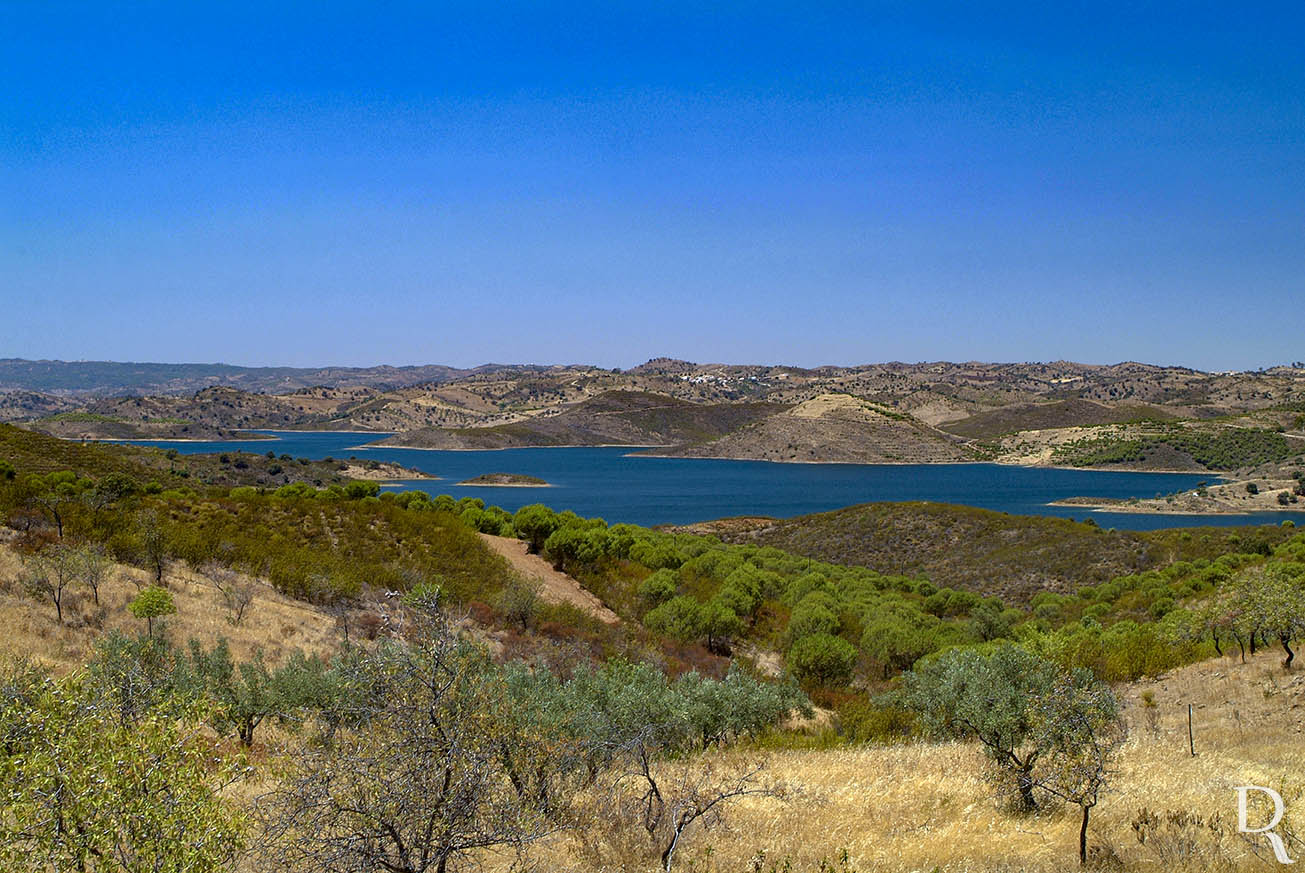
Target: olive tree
[[245, 694], [1270, 602], [154, 545], [639, 732], [411, 779], [237, 590], [95, 569], [1088, 735], [1024, 709]]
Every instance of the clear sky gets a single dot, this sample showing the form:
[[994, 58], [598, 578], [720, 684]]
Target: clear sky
[[806, 183]]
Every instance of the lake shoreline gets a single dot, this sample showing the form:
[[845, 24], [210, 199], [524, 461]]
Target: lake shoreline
[[622, 485]]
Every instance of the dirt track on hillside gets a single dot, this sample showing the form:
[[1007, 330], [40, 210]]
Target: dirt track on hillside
[[554, 587]]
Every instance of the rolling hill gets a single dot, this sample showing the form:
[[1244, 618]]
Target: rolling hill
[[631, 418], [1121, 416], [1014, 557]]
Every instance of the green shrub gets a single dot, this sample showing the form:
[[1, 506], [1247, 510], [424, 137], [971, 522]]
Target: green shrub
[[822, 659]]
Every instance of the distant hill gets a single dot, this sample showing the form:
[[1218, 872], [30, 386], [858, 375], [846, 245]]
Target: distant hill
[[612, 418], [834, 428], [112, 377], [1118, 416], [1057, 413]]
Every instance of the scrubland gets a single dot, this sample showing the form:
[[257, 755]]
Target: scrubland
[[923, 806]]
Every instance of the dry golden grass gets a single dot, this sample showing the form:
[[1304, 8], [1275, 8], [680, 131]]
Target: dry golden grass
[[272, 622], [925, 806]]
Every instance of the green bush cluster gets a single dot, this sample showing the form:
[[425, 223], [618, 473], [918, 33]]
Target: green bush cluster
[[827, 618]]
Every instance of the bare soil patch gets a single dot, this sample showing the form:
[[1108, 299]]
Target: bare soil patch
[[554, 586]]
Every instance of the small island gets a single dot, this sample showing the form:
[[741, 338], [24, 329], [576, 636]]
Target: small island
[[506, 480]]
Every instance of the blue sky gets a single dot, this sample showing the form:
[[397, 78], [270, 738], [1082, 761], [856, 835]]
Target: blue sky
[[809, 183]]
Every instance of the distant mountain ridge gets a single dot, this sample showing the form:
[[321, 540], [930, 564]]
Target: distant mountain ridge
[[119, 377]]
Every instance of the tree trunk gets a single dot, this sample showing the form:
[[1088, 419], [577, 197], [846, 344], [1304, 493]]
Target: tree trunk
[[1025, 780], [1082, 837], [1214, 635], [1285, 639]]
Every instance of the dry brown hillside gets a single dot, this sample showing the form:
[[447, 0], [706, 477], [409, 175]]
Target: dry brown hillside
[[834, 428]]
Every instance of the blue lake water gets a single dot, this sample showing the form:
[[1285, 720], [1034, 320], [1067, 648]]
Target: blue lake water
[[620, 487]]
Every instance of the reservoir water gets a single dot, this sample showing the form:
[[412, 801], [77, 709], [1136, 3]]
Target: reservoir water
[[622, 487]]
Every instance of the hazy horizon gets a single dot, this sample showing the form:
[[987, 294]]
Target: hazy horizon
[[700, 363]]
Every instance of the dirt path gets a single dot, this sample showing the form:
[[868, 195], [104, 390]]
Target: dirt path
[[554, 587]]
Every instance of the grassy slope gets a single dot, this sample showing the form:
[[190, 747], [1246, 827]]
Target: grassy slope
[[273, 623], [927, 806], [989, 552]]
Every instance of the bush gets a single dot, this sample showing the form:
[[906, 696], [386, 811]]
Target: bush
[[657, 588], [535, 524], [812, 617], [822, 659], [867, 721], [519, 602], [679, 618]]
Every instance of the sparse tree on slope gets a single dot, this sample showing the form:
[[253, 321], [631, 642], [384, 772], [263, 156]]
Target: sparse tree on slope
[[154, 602], [1023, 708], [49, 573]]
